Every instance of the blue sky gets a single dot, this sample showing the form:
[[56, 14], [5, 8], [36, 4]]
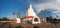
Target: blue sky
[[7, 7]]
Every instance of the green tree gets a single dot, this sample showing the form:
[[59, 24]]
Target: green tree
[[5, 19], [49, 19]]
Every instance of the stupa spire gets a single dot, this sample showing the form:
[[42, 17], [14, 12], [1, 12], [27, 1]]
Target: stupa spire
[[30, 6], [30, 12]]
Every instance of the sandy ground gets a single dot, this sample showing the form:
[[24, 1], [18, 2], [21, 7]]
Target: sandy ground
[[21, 25]]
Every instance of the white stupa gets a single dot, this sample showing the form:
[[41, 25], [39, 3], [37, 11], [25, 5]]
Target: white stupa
[[31, 11], [16, 18], [31, 15]]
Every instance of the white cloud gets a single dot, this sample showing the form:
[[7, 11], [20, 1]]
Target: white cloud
[[53, 4]]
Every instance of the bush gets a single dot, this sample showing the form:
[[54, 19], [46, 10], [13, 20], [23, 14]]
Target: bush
[[19, 27], [35, 27]]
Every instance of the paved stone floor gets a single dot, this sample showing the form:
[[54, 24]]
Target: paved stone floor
[[15, 25]]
